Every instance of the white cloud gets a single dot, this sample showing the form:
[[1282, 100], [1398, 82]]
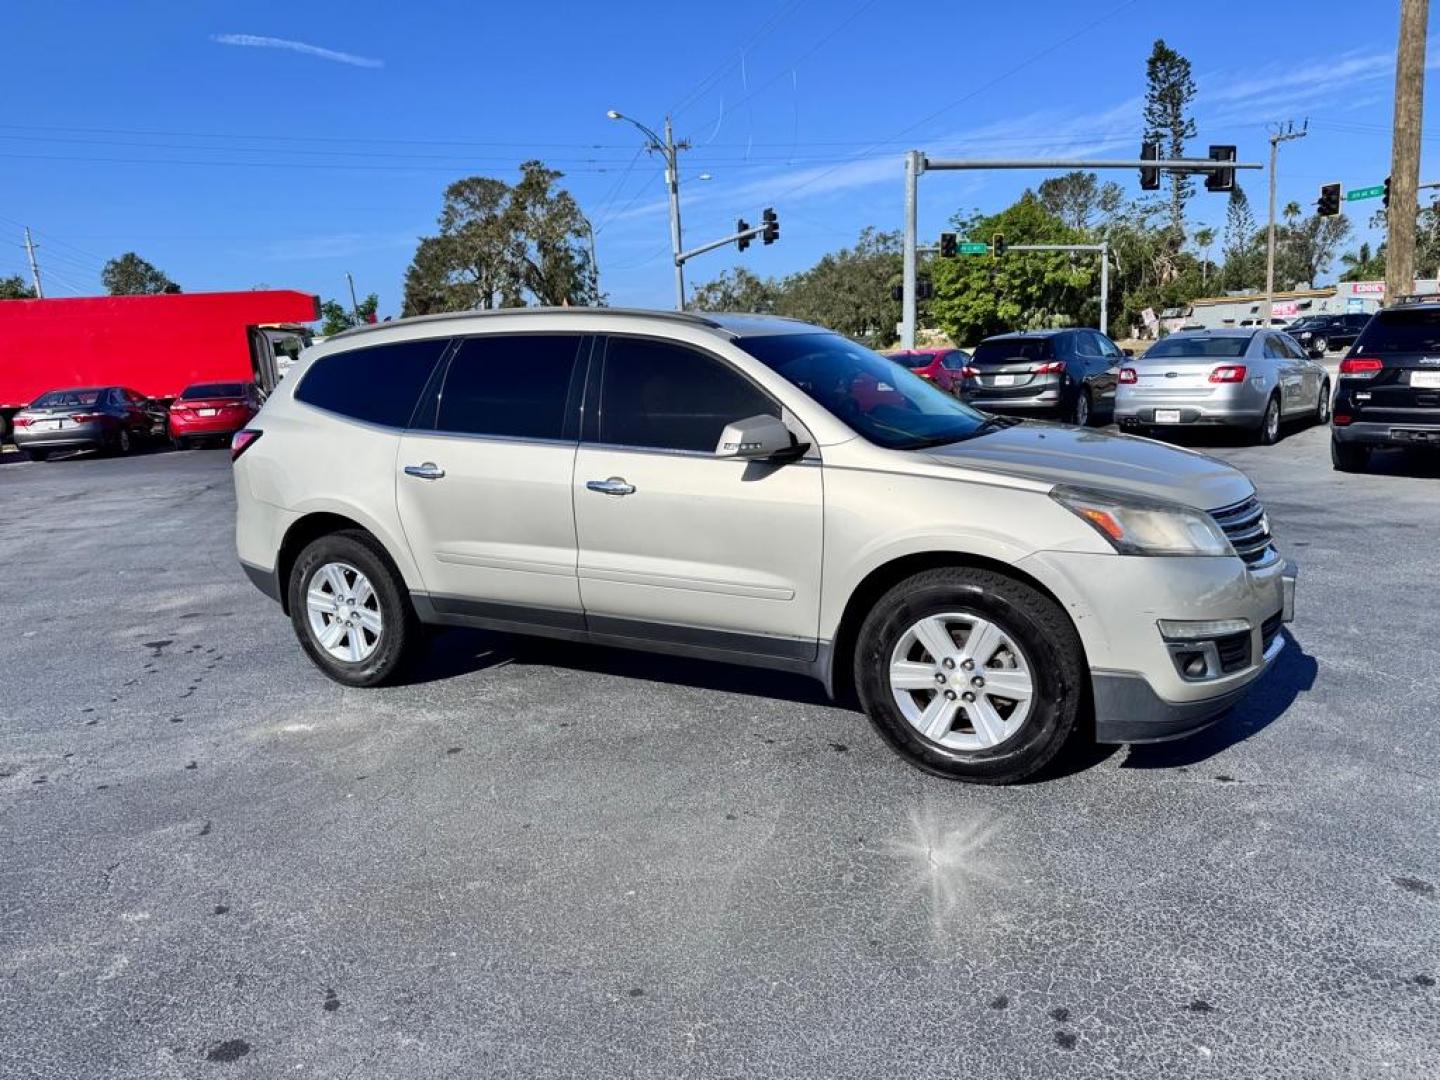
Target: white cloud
[[254, 41]]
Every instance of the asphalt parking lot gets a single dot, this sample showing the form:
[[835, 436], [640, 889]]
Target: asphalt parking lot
[[540, 859]]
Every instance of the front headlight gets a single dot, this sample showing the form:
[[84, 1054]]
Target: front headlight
[[1135, 526]]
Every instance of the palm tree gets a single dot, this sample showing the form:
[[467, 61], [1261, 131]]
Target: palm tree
[[1362, 265], [1291, 213]]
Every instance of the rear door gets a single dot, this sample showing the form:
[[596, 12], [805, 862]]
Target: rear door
[[483, 480], [1289, 373], [1406, 388], [1108, 372]]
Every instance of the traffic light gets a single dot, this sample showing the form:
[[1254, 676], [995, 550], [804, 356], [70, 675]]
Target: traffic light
[[772, 226], [1221, 179], [1328, 205], [1387, 193], [1149, 176], [744, 241], [924, 289], [997, 246], [947, 245]]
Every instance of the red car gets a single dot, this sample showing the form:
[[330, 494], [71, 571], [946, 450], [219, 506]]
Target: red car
[[212, 411], [943, 367]]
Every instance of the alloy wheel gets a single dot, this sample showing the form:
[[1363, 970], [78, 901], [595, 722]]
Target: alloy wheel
[[1272, 421], [961, 681], [1082, 409], [344, 612]]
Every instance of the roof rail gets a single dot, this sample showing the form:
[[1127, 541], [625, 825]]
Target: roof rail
[[1416, 298], [688, 317]]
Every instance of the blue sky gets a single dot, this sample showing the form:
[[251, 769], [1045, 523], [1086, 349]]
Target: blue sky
[[235, 144]]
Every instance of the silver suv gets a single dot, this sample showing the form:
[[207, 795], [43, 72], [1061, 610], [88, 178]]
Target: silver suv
[[764, 492]]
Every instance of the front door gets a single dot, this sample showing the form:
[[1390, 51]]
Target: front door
[[676, 544], [483, 491]]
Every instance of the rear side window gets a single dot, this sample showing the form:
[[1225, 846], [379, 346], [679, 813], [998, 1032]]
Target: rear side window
[[515, 385], [1401, 331], [378, 385], [655, 394]]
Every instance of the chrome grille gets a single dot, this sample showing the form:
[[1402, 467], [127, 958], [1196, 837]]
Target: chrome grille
[[1248, 528]]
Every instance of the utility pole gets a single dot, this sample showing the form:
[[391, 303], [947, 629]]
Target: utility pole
[[914, 166], [34, 266], [1276, 138], [354, 307], [669, 149], [1405, 149]]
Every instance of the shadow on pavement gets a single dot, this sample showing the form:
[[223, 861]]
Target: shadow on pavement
[[1293, 674], [456, 651]]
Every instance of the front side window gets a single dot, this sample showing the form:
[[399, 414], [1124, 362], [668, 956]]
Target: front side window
[[878, 399], [666, 396], [509, 385], [378, 385]]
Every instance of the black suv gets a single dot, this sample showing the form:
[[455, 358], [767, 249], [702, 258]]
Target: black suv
[[1389, 386], [1319, 334], [1064, 374]]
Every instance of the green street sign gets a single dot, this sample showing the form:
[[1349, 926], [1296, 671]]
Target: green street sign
[[1365, 193], [974, 249]]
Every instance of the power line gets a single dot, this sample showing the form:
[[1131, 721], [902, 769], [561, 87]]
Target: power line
[[707, 83]]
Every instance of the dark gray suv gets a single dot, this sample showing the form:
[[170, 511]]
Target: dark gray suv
[[1060, 374]]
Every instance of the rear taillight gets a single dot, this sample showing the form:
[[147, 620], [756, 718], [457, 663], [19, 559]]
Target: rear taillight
[[1361, 367], [1054, 367], [242, 441], [86, 417], [22, 421], [1228, 373], [1129, 375], [968, 372], [175, 406], [1341, 419]]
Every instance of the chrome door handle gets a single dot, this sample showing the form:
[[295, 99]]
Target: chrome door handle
[[427, 471], [616, 485]]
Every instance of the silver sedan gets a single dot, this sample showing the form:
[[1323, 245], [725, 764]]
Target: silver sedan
[[1246, 378]]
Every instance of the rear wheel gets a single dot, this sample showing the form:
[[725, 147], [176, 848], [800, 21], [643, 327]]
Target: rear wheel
[[1268, 434], [1081, 416], [970, 674], [1322, 407], [350, 609], [123, 442], [1349, 457]]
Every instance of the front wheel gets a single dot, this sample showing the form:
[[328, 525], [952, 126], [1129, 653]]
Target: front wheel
[[350, 609], [970, 674], [1349, 457], [1320, 345]]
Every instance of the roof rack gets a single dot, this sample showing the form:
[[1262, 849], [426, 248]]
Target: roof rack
[[689, 317], [1416, 298]]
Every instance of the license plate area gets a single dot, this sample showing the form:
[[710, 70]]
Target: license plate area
[[1167, 416], [207, 412], [48, 425], [1003, 380], [1425, 380]]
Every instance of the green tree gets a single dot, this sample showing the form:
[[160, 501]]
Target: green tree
[[1305, 248], [503, 246], [335, 316], [14, 288], [737, 289], [130, 275], [1169, 91], [1204, 238], [1363, 265], [1077, 197], [1244, 266], [1023, 290]]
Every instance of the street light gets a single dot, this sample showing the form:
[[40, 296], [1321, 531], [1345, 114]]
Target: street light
[[668, 148]]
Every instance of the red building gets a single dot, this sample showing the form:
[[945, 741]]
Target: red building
[[157, 345]]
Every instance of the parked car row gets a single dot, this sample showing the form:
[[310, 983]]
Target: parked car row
[[116, 419]]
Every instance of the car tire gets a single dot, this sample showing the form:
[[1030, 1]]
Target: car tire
[[124, 444], [1083, 412], [1034, 635], [178, 442], [1349, 457], [1322, 407], [1268, 433], [1320, 345], [381, 630]]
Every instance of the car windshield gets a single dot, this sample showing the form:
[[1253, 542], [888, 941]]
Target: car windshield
[[63, 398], [214, 389], [1309, 322], [1401, 332], [1181, 346], [873, 395], [1010, 351]]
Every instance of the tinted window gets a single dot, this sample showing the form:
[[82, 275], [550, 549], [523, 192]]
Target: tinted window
[[1179, 346], [1107, 347], [954, 361], [378, 385], [509, 385], [1010, 351], [913, 360], [214, 389], [1400, 330], [66, 397], [666, 396], [884, 403]]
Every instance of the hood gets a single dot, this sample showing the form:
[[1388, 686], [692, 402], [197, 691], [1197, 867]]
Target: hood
[[1123, 464]]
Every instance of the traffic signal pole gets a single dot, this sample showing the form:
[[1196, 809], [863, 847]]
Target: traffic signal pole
[[917, 164]]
